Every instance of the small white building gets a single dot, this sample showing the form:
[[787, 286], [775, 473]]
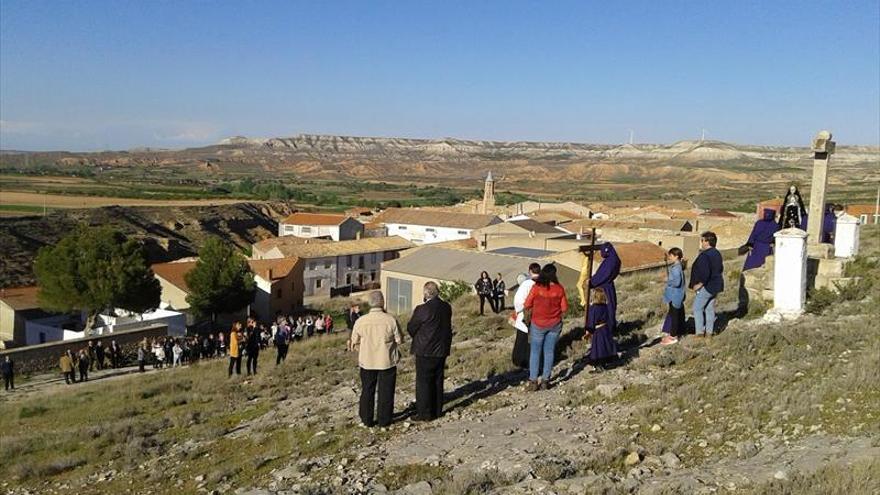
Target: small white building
[[311, 225], [432, 226]]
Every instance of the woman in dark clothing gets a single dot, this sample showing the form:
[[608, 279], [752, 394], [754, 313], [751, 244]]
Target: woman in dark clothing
[[499, 290], [602, 345], [486, 291], [252, 346]]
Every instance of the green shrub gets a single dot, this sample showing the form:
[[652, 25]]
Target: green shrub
[[451, 291], [30, 412]]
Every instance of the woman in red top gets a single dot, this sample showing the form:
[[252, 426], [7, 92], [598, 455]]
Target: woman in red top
[[548, 303]]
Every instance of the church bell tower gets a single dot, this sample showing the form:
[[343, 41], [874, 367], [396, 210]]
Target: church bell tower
[[488, 195]]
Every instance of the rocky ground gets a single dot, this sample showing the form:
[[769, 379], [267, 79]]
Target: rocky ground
[[760, 408]]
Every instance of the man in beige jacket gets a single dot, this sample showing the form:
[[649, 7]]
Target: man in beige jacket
[[376, 336]]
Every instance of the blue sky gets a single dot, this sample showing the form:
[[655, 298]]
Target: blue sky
[[86, 75]]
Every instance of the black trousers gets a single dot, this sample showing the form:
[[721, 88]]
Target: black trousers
[[69, 377], [235, 363], [429, 386], [385, 381], [521, 350], [282, 353], [83, 374], [676, 320], [483, 299], [9, 381], [141, 365], [251, 364]]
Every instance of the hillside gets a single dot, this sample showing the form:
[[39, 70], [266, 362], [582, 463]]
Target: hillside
[[581, 169], [759, 409], [168, 232]]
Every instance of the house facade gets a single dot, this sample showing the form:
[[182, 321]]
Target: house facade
[[312, 225], [278, 282], [330, 267], [431, 226]]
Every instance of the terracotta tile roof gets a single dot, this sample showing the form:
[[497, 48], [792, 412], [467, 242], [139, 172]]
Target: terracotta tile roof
[[175, 272], [345, 248], [20, 298], [412, 216], [314, 219], [273, 269], [288, 240], [639, 255], [862, 209]]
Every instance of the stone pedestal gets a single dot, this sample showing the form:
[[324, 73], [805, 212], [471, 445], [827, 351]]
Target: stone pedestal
[[846, 237], [789, 274]]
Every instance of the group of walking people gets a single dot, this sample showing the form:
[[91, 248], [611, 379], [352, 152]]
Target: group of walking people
[[92, 356]]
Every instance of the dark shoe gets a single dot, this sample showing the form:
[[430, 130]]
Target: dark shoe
[[421, 419], [533, 386], [544, 386]]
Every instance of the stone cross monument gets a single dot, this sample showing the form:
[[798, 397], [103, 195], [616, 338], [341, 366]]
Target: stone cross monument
[[823, 148]]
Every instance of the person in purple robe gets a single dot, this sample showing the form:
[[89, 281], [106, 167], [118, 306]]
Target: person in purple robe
[[602, 346], [829, 224], [760, 243], [604, 279]]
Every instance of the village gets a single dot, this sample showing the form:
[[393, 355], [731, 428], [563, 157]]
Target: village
[[319, 256]]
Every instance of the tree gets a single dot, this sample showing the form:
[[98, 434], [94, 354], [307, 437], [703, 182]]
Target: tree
[[94, 269], [221, 281]]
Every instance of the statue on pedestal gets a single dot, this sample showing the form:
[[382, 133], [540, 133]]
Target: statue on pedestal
[[793, 213]]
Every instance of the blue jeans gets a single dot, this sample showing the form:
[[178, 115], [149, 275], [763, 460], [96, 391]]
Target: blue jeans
[[704, 312], [543, 342]]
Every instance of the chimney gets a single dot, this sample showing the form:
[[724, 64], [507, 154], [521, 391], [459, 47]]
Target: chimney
[[270, 274]]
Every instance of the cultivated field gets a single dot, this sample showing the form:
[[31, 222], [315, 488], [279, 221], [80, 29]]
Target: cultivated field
[[13, 199]]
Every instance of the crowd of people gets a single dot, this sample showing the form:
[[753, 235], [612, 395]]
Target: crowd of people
[[244, 341], [539, 304]]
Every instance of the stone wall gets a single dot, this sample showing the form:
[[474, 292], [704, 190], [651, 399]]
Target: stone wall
[[44, 357]]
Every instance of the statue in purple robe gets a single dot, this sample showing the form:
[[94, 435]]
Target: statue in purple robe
[[793, 213], [760, 243], [604, 279]]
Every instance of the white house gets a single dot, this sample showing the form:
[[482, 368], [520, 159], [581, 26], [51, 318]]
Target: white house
[[432, 226], [336, 227]]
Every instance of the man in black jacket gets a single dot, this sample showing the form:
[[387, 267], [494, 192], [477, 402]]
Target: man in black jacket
[[7, 369], [707, 280], [431, 330]]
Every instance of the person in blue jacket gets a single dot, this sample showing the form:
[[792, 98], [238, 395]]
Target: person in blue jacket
[[707, 281], [673, 297]]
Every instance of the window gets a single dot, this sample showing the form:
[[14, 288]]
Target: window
[[313, 266], [347, 279], [348, 261], [462, 232], [319, 282], [399, 295], [289, 229], [326, 264], [401, 227], [305, 230], [361, 262], [373, 276], [430, 229], [863, 219], [42, 337]]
